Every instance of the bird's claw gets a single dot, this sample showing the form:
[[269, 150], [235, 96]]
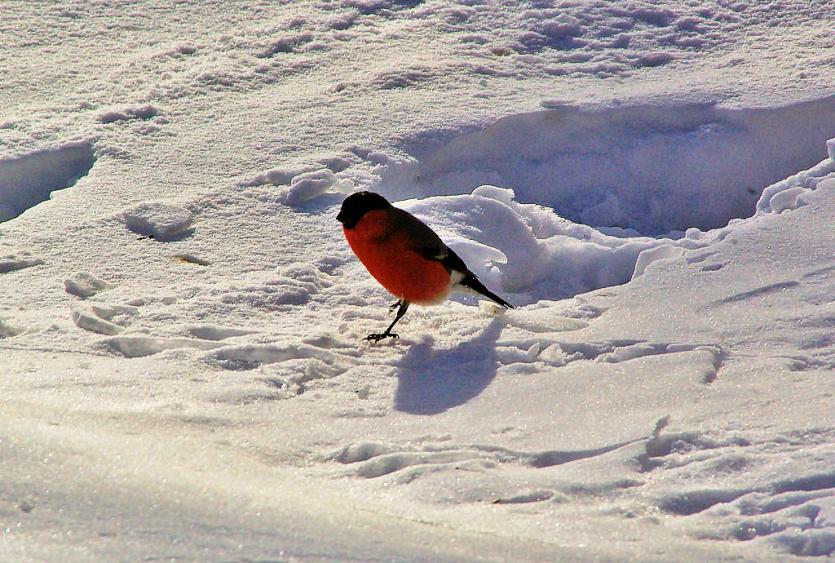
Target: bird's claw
[[380, 336], [394, 306]]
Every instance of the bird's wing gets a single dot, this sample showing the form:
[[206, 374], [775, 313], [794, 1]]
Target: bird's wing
[[429, 245], [422, 238]]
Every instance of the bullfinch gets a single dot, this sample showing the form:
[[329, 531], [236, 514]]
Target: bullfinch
[[405, 256]]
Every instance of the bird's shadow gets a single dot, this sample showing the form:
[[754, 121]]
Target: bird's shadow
[[433, 381]]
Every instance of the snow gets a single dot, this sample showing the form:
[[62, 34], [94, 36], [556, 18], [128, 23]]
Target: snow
[[84, 284], [158, 220], [30, 179], [146, 111], [651, 184], [595, 166]]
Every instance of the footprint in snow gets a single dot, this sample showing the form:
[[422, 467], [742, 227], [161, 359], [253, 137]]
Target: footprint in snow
[[141, 346]]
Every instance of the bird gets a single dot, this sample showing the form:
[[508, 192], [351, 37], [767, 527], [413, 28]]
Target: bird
[[405, 255]]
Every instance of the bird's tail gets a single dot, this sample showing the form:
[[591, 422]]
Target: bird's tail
[[473, 283]]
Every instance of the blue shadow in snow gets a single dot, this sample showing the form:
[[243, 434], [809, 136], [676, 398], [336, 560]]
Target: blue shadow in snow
[[431, 382]]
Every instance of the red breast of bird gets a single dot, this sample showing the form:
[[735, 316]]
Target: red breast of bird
[[389, 243]]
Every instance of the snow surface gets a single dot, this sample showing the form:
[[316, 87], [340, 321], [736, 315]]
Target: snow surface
[[181, 320]]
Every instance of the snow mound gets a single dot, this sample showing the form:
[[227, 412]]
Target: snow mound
[[307, 186], [7, 330], [28, 180], [621, 171], [529, 250], [654, 169], [158, 220], [302, 183]]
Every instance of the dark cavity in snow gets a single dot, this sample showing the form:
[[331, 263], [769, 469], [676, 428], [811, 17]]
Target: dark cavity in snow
[[28, 180], [655, 169]]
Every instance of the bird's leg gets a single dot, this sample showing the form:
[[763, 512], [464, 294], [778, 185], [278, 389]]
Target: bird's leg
[[404, 306], [395, 305]]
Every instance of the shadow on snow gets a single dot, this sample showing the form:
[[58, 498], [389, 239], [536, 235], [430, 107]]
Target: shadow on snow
[[433, 381]]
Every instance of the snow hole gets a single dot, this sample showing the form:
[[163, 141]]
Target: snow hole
[[28, 180], [551, 204], [653, 169]]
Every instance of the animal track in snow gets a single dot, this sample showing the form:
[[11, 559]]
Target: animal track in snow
[[818, 273], [139, 346], [191, 259], [486, 473], [525, 497], [249, 356], [297, 364], [819, 286], [756, 501], [115, 115], [93, 323], [661, 445], [377, 460], [713, 267], [302, 183], [560, 354], [762, 291], [613, 351], [294, 284], [550, 316], [817, 289], [543, 321]]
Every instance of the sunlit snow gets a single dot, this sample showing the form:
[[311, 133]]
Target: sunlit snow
[[652, 184]]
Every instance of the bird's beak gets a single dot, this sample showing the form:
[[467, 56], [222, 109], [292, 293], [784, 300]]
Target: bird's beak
[[341, 216]]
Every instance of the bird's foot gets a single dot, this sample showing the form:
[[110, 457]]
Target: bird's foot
[[394, 306], [380, 336]]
